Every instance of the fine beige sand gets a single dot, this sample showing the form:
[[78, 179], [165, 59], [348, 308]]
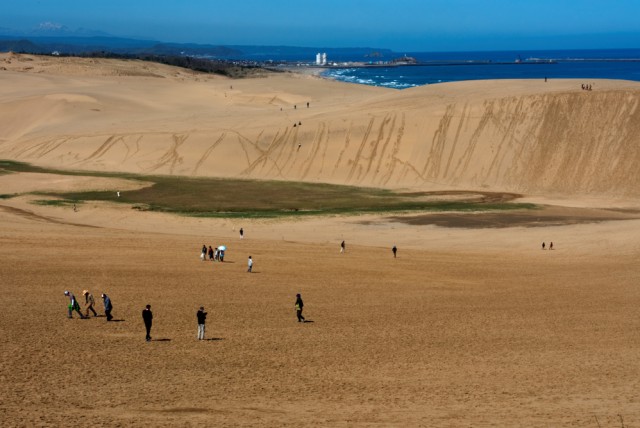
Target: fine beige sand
[[470, 326]]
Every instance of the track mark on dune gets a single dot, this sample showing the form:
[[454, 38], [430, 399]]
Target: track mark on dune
[[384, 148], [207, 152], [131, 153], [315, 148], [171, 157], [41, 149], [432, 166], [29, 215], [463, 118], [347, 140], [265, 155], [391, 166], [356, 159], [376, 143], [104, 148]]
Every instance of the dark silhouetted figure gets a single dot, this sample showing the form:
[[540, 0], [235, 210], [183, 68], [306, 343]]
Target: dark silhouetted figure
[[551, 245], [108, 307], [299, 306], [395, 250], [147, 316], [307, 105], [342, 247], [241, 233], [202, 317], [543, 245]]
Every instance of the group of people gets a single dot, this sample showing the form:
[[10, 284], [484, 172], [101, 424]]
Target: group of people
[[89, 303], [214, 255], [147, 315], [586, 87], [544, 246]]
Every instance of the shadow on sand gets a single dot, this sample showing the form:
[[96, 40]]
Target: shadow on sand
[[114, 320], [214, 339], [161, 340], [307, 321]]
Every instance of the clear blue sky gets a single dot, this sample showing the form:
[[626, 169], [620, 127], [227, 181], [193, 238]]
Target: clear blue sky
[[401, 25]]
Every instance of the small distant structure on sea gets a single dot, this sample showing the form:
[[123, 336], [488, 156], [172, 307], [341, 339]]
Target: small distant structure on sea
[[321, 58]]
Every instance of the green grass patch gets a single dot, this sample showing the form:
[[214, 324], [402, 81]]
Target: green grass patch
[[216, 197], [7, 196], [55, 202]]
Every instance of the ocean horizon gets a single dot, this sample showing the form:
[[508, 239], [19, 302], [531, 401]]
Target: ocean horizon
[[440, 67]]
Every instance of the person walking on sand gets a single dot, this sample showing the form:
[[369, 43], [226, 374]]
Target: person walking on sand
[[73, 305], [201, 315], [342, 247], [241, 233], [210, 253], [299, 306], [551, 245], [89, 301], [147, 317], [203, 254], [108, 307], [543, 245], [249, 264], [395, 250]]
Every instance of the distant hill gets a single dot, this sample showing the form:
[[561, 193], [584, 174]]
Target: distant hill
[[68, 43]]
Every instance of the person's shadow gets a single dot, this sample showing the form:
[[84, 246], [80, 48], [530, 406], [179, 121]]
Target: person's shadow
[[307, 321], [214, 339], [114, 320], [161, 340]]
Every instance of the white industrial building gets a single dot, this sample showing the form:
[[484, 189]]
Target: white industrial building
[[321, 58]]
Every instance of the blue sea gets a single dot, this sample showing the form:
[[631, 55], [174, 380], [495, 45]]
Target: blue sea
[[457, 66]]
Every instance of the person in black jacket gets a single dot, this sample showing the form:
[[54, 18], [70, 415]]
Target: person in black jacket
[[147, 316], [202, 317], [299, 306], [108, 307]]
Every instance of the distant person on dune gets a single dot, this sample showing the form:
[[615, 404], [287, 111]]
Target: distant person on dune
[[89, 301], [210, 253], [342, 247], [73, 305], [551, 245], [201, 315], [147, 317], [394, 250], [543, 245], [203, 254], [249, 264], [299, 306], [241, 233], [108, 307]]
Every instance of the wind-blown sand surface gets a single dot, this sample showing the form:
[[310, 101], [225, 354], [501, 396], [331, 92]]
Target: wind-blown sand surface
[[468, 326]]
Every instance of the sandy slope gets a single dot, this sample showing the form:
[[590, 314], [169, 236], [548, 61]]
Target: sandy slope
[[467, 327], [525, 136]]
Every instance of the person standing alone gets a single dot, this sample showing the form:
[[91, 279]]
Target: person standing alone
[[342, 247], [147, 317], [299, 306], [395, 250], [202, 317], [249, 264], [241, 233]]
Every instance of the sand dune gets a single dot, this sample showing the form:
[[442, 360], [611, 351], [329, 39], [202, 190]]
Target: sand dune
[[523, 136], [469, 326]]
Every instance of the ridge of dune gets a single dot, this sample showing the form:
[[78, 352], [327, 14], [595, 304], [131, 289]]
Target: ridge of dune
[[521, 136]]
